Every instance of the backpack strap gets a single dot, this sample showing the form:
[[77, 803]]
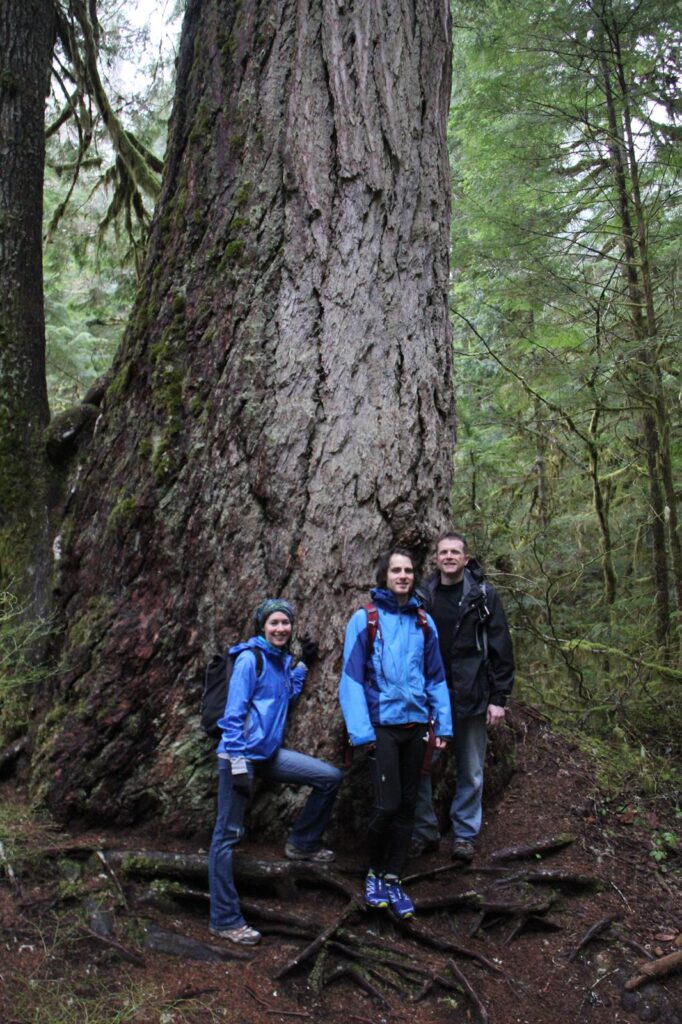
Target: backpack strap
[[423, 622], [372, 624]]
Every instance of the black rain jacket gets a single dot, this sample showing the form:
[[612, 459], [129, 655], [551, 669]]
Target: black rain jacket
[[481, 656]]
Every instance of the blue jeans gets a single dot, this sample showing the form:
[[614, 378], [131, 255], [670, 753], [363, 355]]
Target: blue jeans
[[306, 832], [470, 738]]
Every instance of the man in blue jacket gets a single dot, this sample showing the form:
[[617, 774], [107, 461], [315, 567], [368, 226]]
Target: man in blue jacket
[[393, 682], [479, 666]]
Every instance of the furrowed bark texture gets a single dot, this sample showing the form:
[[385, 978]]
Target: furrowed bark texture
[[282, 406], [26, 40]]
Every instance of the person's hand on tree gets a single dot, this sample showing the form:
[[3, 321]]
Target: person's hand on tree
[[310, 651]]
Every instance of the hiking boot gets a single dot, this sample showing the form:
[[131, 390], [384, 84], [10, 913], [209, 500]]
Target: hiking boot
[[418, 846], [321, 856], [398, 900], [462, 850], [242, 935], [375, 891]]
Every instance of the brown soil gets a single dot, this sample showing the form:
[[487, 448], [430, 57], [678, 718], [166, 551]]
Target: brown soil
[[50, 959]]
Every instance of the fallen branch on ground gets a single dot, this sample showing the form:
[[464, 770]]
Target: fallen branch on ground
[[654, 969], [537, 849]]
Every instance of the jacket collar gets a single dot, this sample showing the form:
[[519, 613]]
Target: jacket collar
[[387, 601]]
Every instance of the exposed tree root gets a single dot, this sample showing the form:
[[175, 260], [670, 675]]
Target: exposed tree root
[[317, 943], [344, 971], [159, 863], [470, 991]]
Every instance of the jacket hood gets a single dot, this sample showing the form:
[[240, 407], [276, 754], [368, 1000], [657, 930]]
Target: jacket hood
[[387, 600], [261, 642]]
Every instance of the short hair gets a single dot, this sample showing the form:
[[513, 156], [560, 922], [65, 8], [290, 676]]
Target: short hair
[[452, 535], [383, 563]]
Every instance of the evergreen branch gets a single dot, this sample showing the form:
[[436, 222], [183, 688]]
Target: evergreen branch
[[595, 648]]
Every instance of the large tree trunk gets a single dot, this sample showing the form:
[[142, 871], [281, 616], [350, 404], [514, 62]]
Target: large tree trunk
[[26, 41], [282, 405]]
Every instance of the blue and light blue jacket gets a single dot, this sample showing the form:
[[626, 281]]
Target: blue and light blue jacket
[[401, 680], [256, 710]]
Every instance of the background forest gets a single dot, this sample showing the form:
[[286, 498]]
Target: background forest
[[565, 274]]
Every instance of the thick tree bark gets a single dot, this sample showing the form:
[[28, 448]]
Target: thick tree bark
[[282, 407], [26, 40]]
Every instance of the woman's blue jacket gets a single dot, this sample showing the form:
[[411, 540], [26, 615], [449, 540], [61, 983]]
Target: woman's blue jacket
[[256, 708], [400, 680]]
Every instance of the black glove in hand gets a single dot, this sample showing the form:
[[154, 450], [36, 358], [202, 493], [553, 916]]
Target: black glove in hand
[[243, 781], [310, 651]]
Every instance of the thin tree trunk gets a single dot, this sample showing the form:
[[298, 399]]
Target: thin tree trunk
[[645, 369], [282, 407], [26, 41]]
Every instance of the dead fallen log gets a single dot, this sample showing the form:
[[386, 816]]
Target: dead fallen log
[[536, 849], [158, 940], [652, 970], [593, 932]]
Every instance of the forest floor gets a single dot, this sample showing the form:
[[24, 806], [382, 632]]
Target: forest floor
[[82, 939]]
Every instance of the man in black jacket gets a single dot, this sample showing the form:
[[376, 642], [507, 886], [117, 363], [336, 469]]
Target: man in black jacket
[[479, 667]]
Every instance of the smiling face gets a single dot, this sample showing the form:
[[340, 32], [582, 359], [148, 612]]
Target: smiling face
[[400, 577], [451, 560], [277, 629]]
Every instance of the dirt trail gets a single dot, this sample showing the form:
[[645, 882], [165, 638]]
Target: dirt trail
[[525, 925]]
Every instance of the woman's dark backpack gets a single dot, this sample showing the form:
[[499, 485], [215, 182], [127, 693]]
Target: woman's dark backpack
[[216, 688]]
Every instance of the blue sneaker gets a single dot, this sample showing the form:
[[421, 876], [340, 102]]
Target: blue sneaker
[[399, 902], [375, 891]]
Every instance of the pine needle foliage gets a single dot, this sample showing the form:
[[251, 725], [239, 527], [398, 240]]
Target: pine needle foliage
[[566, 243]]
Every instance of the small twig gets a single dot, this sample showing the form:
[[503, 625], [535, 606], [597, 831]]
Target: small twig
[[632, 944], [112, 875], [593, 932], [432, 872], [127, 954], [275, 1009], [9, 871]]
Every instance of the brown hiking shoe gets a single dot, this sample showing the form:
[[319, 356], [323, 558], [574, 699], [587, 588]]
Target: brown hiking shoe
[[462, 850]]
